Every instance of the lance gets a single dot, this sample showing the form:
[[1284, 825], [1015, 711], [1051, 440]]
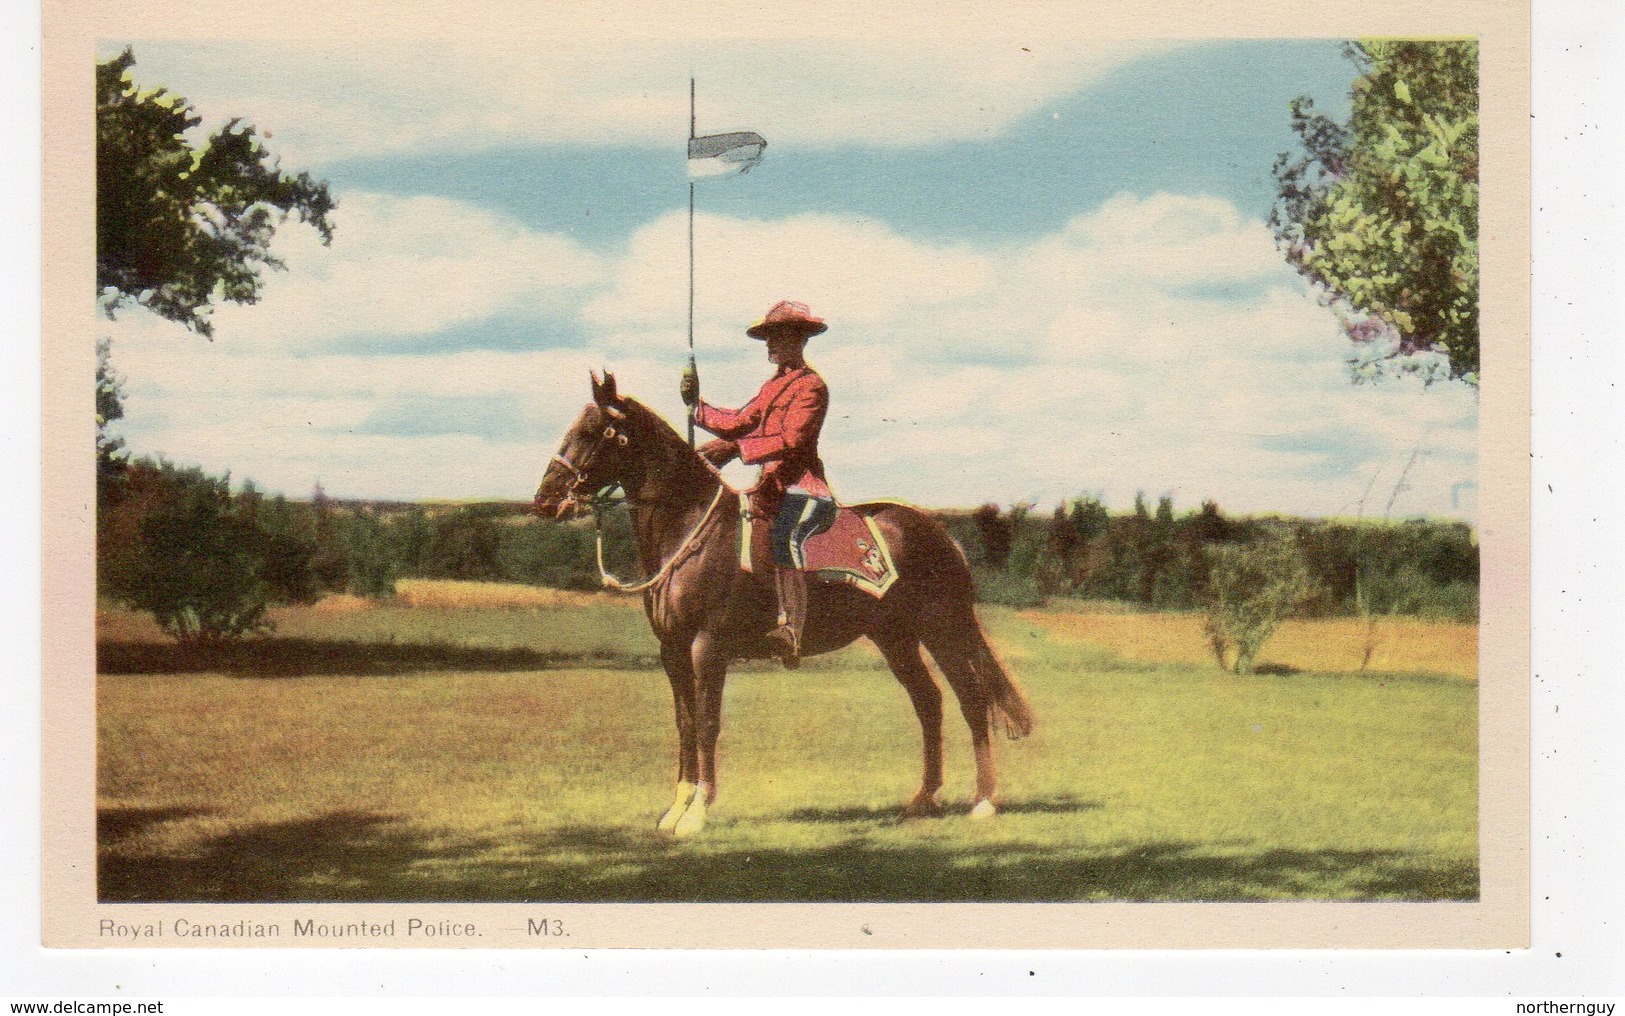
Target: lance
[[712, 156], [692, 366]]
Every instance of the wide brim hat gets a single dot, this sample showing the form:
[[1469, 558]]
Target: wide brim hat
[[787, 317]]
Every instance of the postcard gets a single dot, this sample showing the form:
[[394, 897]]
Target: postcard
[[1053, 479]]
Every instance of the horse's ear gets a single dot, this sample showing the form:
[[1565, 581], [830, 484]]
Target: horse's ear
[[603, 393]]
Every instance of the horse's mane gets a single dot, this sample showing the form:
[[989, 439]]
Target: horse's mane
[[655, 423], [674, 444]]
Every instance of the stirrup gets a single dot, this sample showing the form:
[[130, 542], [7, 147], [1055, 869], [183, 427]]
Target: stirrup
[[788, 645]]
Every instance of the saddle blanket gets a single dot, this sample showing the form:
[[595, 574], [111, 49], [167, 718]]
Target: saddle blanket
[[851, 551]]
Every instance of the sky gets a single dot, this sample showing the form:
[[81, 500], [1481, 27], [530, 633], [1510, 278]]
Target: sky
[[1047, 273]]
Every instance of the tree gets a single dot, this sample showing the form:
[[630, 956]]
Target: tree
[[1183, 578], [178, 225], [1089, 518], [1252, 588], [1060, 554], [1381, 212], [185, 550], [205, 563], [110, 453], [998, 535]]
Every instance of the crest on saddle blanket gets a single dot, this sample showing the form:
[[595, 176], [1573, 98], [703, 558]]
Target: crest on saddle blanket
[[851, 551]]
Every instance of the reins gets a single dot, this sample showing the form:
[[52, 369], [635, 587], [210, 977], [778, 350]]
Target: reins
[[600, 500], [682, 551]]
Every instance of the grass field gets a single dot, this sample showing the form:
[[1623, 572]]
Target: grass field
[[490, 744]]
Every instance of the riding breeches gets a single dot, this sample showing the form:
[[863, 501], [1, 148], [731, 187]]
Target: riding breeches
[[801, 515]]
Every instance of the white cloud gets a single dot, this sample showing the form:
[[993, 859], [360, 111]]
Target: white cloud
[[288, 422], [405, 267], [1081, 362], [359, 99], [859, 275]]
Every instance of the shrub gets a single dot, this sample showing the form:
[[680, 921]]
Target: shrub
[[464, 545], [205, 564], [997, 535], [1009, 588], [1408, 591], [1455, 601], [1252, 588], [285, 541], [548, 553], [370, 567]]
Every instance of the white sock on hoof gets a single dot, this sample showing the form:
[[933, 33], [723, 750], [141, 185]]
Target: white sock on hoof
[[693, 819], [685, 794], [984, 809]]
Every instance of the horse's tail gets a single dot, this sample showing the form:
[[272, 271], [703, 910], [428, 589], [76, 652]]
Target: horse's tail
[[1009, 701]]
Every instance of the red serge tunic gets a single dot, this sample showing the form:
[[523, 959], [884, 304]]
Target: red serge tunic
[[778, 428]]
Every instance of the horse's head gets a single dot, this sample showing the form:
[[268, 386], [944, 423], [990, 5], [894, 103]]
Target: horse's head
[[592, 456]]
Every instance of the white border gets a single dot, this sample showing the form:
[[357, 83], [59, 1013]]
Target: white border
[[1579, 820]]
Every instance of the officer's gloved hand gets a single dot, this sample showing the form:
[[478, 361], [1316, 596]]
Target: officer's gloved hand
[[689, 387], [719, 452]]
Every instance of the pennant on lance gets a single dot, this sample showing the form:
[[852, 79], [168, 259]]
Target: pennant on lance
[[719, 155]]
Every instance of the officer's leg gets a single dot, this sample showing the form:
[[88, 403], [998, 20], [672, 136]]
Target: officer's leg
[[788, 581], [801, 516]]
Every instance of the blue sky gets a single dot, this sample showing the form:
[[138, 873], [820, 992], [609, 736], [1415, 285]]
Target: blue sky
[[1046, 269], [1204, 120]]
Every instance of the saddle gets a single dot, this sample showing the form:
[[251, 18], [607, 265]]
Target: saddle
[[850, 552]]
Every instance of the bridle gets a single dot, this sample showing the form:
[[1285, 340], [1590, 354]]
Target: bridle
[[576, 496], [601, 499]]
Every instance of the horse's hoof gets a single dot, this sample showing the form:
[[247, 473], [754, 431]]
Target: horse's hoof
[[693, 820], [984, 809], [921, 807], [685, 796]]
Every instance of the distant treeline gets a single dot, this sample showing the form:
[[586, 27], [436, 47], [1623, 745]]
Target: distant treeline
[[1158, 559], [206, 561]]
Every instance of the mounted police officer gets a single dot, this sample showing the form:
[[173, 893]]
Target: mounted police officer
[[779, 429]]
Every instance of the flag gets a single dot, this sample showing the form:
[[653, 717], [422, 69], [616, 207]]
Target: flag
[[718, 155]]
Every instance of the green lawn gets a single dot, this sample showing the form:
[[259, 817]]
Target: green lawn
[[518, 755]]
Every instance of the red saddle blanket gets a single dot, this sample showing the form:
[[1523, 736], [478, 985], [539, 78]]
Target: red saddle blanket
[[851, 551]]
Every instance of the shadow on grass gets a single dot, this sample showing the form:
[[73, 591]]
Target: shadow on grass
[[295, 657], [362, 857], [1063, 805], [325, 858], [115, 824]]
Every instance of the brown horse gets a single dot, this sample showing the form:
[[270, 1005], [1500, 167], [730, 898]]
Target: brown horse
[[706, 611]]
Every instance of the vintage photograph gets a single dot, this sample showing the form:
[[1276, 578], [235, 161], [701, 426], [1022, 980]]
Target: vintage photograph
[[1006, 470]]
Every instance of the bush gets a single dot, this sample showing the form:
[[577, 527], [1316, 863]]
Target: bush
[[205, 564], [548, 553], [464, 545], [1408, 591], [996, 535], [285, 540], [1252, 588], [1008, 588], [370, 568], [1456, 601]]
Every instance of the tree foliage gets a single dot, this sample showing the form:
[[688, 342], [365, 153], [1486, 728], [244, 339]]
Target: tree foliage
[[180, 226], [997, 535], [1381, 212], [175, 542], [110, 453], [1251, 589]]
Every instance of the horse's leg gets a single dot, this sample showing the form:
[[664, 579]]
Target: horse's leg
[[903, 656], [954, 653], [680, 671], [711, 671]]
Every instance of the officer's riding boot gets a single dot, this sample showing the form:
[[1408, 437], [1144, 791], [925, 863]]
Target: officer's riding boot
[[791, 584]]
